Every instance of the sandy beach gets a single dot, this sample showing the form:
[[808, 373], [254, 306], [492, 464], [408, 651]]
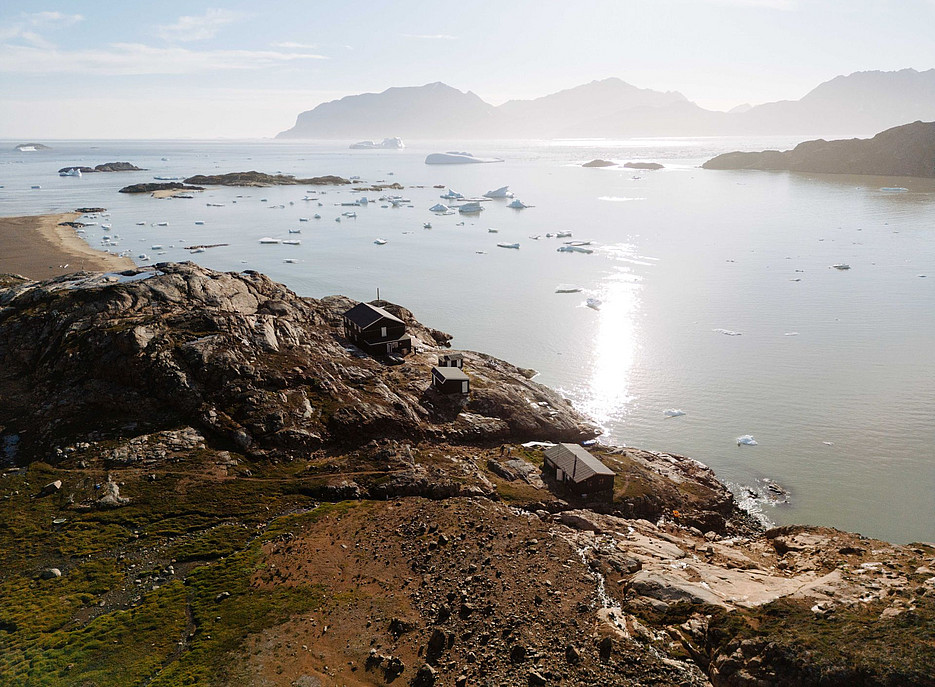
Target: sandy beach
[[36, 247]]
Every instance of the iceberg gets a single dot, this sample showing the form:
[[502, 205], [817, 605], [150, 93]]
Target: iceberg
[[502, 192], [746, 440], [456, 158], [451, 194], [469, 208], [673, 412], [439, 207], [518, 205], [395, 143]]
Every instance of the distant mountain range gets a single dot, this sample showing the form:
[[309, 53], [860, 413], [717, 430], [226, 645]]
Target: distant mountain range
[[860, 103]]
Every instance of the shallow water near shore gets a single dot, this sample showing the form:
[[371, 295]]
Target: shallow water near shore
[[832, 372]]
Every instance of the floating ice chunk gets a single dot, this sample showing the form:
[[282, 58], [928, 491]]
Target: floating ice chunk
[[502, 192], [518, 205], [567, 288], [673, 412], [727, 332], [746, 440], [828, 443], [841, 266], [456, 158], [791, 334], [439, 207]]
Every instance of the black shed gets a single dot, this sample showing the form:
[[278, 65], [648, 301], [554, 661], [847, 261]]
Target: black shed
[[450, 380], [376, 331], [579, 472]]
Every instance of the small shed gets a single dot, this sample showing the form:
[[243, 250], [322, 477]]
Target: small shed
[[451, 360], [579, 472], [450, 380], [376, 331]]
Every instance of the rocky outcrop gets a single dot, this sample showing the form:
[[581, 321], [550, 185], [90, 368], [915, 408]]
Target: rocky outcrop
[[106, 167], [246, 360], [643, 165], [262, 179], [599, 163], [160, 186], [906, 151]]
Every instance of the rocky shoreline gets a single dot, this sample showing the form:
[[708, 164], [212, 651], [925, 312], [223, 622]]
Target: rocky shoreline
[[903, 151], [207, 482]]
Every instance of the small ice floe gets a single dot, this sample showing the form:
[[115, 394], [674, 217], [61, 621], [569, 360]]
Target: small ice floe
[[303, 219], [746, 440], [162, 224], [451, 194], [438, 207], [828, 443], [199, 222], [491, 230], [567, 288], [470, 208], [536, 237], [317, 216], [270, 240], [508, 245], [518, 205], [289, 260], [726, 332], [351, 215], [426, 225], [295, 231], [841, 266], [156, 247], [594, 303], [894, 189], [214, 205], [292, 242], [673, 412], [791, 334], [502, 192], [141, 224], [574, 249], [380, 242]]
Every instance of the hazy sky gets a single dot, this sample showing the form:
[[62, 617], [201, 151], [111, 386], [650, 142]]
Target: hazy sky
[[125, 69]]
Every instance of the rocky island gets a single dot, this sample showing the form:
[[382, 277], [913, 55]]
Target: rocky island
[[905, 151], [106, 167], [263, 179], [207, 483]]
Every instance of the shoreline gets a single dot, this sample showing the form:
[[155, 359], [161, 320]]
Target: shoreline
[[37, 247]]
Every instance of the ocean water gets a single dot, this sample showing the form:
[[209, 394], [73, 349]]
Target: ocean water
[[833, 371]]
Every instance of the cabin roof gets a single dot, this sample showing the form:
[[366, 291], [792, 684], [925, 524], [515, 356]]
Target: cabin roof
[[365, 315], [576, 462], [452, 356], [450, 374]]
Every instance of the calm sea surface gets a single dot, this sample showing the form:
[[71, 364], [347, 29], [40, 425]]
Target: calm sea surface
[[833, 372]]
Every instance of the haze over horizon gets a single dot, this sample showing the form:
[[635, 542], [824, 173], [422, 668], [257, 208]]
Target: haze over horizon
[[202, 70]]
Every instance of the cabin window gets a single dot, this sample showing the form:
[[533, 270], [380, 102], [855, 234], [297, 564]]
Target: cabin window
[[464, 387], [382, 331]]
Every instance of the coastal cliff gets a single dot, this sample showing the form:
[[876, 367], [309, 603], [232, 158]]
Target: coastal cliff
[[208, 484], [905, 151]]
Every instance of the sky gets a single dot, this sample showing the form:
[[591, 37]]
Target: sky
[[125, 69]]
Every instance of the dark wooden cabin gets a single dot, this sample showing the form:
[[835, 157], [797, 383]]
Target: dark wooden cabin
[[451, 360], [450, 380], [578, 472], [376, 331]]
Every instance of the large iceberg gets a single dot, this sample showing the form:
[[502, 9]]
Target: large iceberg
[[455, 158], [395, 143], [502, 192]]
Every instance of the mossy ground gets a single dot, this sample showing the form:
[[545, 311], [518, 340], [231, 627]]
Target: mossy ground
[[116, 616]]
